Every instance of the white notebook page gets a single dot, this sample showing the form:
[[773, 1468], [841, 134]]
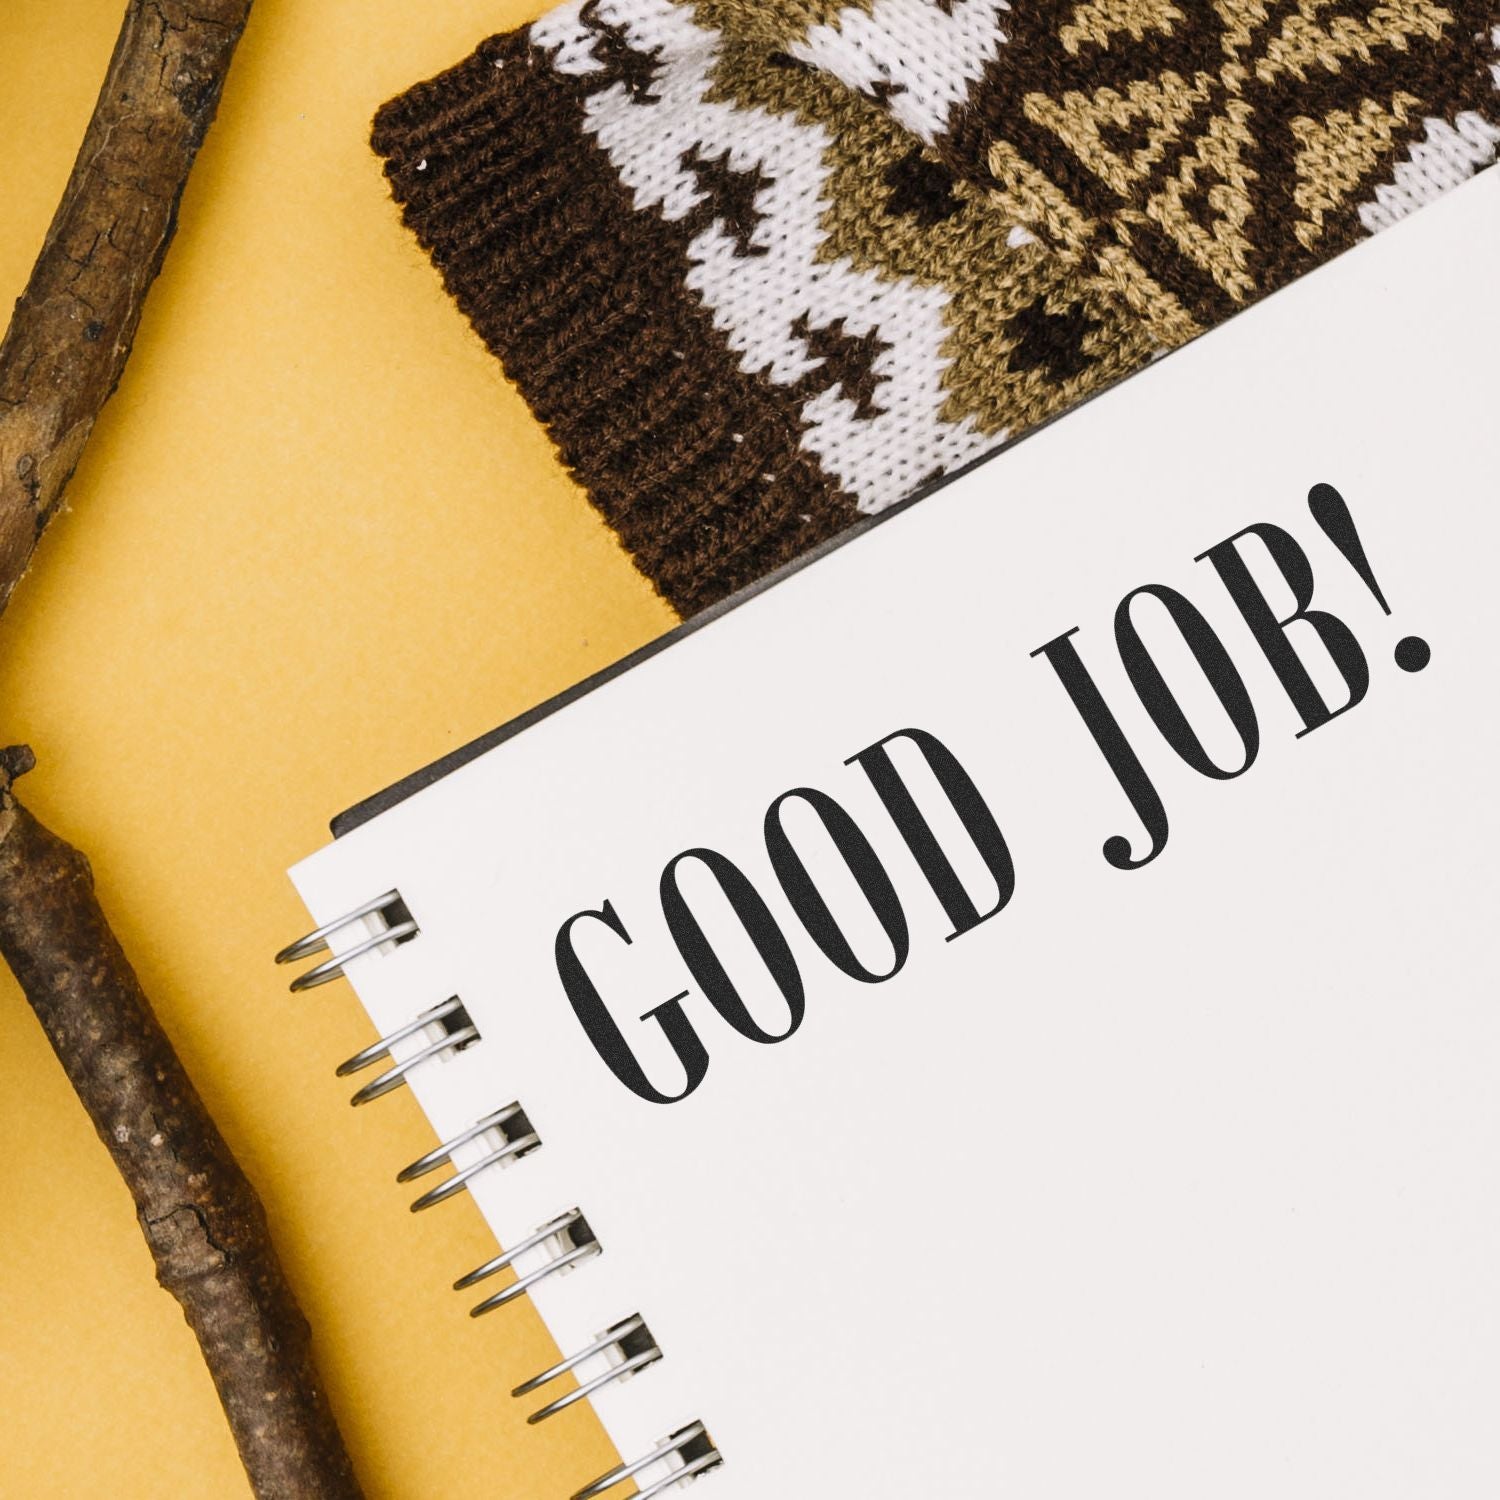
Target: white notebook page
[[1173, 1181]]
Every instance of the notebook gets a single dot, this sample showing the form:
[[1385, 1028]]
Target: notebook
[[1010, 1007]]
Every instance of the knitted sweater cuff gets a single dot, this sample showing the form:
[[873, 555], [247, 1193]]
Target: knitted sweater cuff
[[585, 300]]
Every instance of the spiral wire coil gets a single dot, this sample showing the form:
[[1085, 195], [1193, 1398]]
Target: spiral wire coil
[[566, 1241]]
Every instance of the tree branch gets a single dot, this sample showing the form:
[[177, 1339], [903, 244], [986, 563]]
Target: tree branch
[[75, 323], [202, 1219], [60, 361]]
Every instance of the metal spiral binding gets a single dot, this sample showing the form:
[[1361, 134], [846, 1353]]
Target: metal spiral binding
[[514, 1148], [458, 1032], [630, 1342], [399, 931], [567, 1240], [574, 1240], [689, 1446]]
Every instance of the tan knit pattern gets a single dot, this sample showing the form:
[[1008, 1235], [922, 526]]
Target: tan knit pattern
[[1256, 118], [1031, 332], [772, 23], [1199, 153]]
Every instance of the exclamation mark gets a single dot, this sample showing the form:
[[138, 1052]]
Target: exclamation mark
[[1331, 512]]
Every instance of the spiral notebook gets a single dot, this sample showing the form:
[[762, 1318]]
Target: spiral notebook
[[1011, 1007]]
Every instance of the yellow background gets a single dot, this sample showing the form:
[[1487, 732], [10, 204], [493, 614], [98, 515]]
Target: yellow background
[[316, 541]]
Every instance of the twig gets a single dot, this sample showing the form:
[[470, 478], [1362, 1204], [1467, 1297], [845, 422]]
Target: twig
[[59, 363], [204, 1224], [74, 325]]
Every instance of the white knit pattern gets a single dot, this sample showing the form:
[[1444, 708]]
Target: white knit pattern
[[926, 60], [1448, 155], [755, 301], [920, 60]]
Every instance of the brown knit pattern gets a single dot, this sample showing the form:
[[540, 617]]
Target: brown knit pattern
[[1198, 155], [693, 463], [762, 266]]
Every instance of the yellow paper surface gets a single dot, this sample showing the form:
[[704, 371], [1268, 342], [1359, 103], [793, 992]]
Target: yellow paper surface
[[315, 542]]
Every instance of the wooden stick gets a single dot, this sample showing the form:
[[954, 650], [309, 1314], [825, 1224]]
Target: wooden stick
[[202, 1219], [60, 361], [74, 325]]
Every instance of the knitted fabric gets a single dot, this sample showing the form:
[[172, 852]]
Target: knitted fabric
[[762, 266], [1197, 154]]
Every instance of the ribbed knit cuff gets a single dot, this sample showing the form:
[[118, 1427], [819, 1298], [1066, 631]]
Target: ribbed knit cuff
[[584, 300]]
